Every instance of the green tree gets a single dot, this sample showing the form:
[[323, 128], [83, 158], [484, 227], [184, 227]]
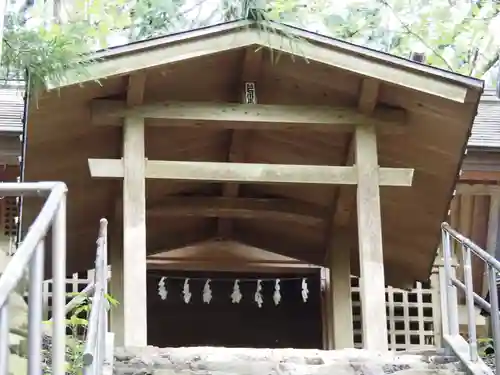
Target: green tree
[[457, 35]]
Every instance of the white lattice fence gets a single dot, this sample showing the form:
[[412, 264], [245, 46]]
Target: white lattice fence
[[75, 284], [411, 316]]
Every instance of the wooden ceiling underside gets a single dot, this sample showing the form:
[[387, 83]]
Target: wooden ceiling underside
[[299, 225]]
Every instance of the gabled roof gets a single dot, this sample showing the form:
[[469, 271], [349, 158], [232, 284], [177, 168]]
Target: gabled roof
[[11, 122], [486, 130], [204, 67], [11, 108], [226, 255], [238, 34]]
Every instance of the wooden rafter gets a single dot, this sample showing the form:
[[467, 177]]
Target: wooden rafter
[[244, 208], [249, 172], [248, 116], [136, 87], [239, 138]]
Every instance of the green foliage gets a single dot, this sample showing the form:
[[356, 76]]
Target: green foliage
[[460, 38], [46, 52], [486, 347], [77, 323]]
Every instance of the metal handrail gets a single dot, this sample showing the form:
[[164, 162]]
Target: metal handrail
[[94, 352], [451, 284], [31, 254], [80, 297]]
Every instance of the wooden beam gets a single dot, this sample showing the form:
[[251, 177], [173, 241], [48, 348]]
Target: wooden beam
[[134, 234], [152, 54], [242, 208], [371, 256], [479, 189], [247, 116], [136, 87], [480, 176], [249, 172], [211, 266]]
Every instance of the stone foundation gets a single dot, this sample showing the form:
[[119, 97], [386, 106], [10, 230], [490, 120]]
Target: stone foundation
[[229, 361]]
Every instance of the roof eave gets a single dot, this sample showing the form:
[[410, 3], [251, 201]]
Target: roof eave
[[456, 89]]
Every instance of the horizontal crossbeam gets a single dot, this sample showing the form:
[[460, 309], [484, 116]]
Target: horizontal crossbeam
[[250, 172], [245, 116], [241, 208]]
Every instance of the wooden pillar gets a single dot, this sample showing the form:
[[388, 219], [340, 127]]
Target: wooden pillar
[[371, 260], [493, 225], [325, 308], [492, 243], [341, 299], [134, 233]]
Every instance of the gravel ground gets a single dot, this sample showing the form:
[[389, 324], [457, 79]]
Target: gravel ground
[[490, 361], [72, 356]]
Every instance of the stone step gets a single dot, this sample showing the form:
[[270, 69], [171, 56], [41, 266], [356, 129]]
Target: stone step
[[249, 361]]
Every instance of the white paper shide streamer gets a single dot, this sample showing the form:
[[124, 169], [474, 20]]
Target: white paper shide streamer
[[305, 290], [277, 294], [258, 294], [236, 295], [207, 292], [185, 291], [162, 288]]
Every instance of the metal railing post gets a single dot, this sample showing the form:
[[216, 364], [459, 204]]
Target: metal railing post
[[93, 356], [470, 357], [495, 319], [36, 311], [59, 289], [469, 300], [451, 293], [4, 337], [30, 254]]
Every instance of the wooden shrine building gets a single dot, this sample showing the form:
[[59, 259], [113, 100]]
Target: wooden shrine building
[[337, 156]]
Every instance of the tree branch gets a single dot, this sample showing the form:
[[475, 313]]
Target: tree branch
[[420, 39]]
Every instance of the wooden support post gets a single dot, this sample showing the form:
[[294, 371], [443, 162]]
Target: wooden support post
[[372, 279], [341, 332], [341, 299], [325, 310], [128, 272], [492, 242], [134, 233], [493, 225]]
